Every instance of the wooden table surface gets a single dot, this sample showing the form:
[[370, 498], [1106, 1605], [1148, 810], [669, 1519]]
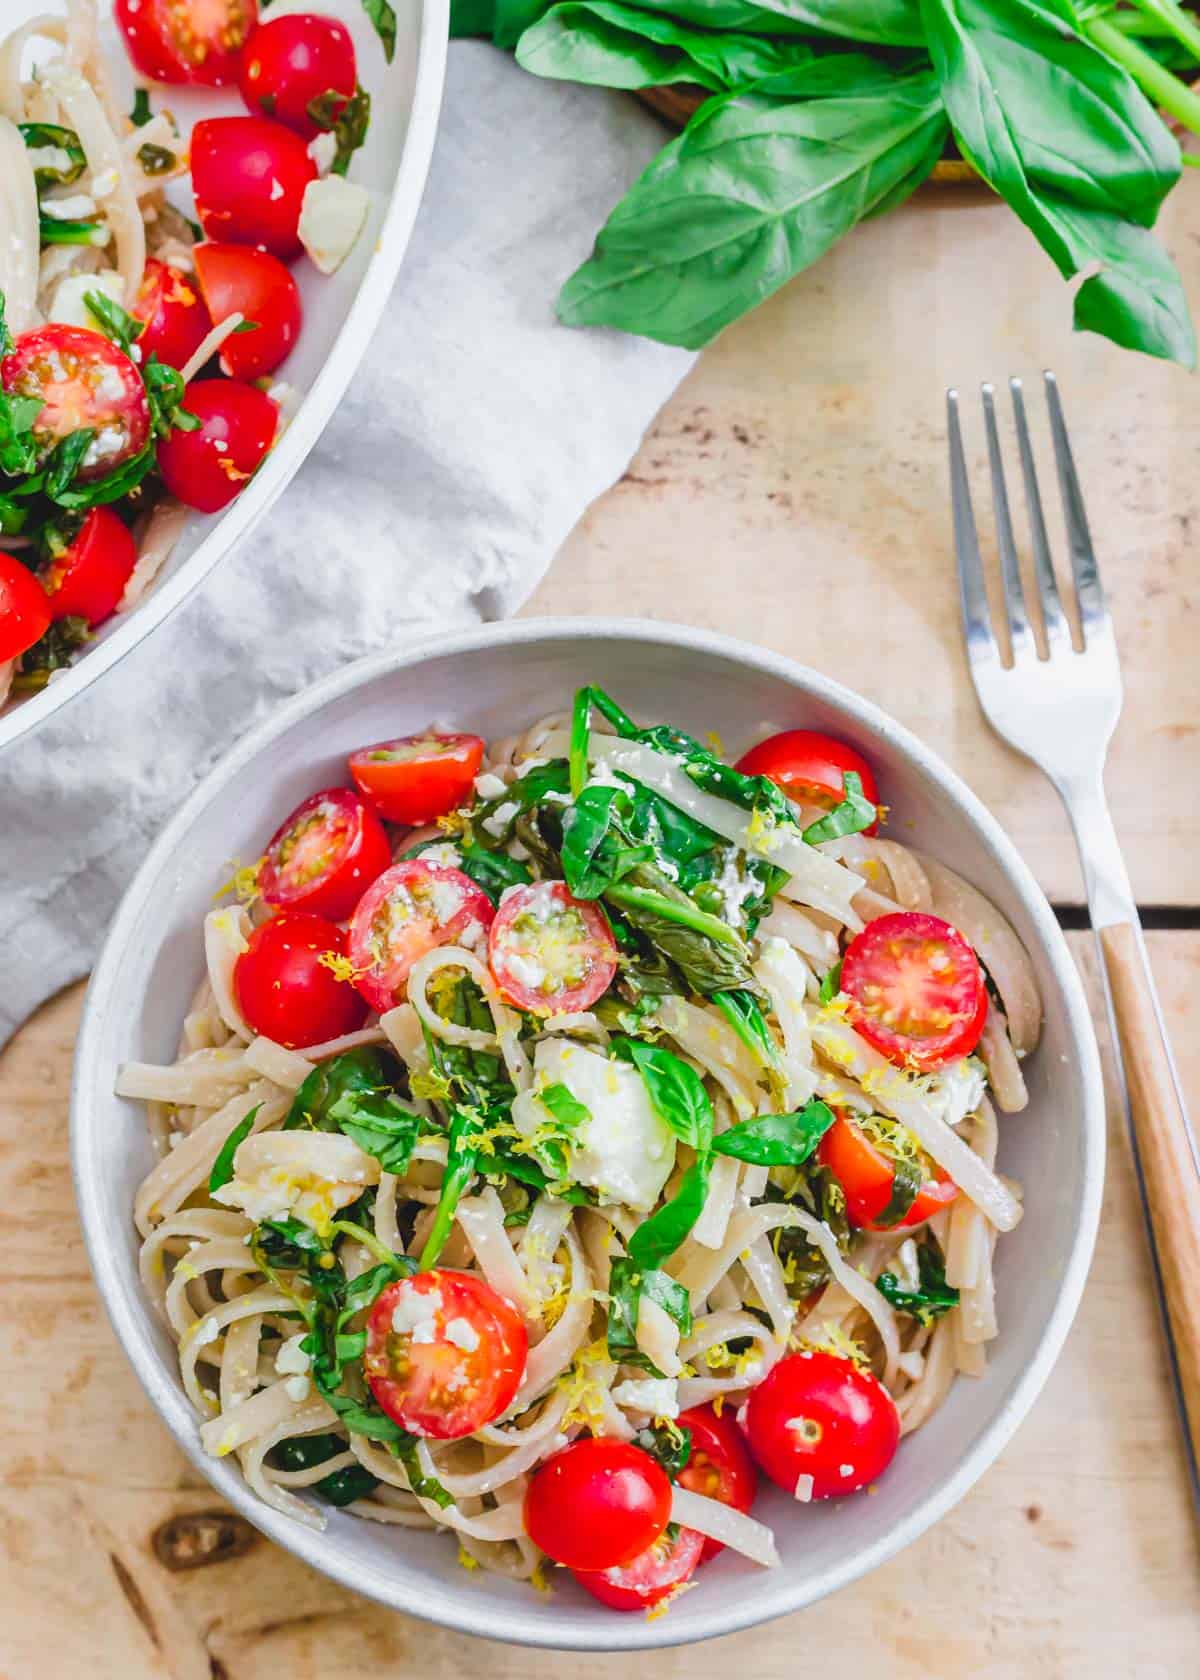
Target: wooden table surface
[[792, 493]]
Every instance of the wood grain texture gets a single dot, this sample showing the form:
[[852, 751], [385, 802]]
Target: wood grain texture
[[1075, 1556], [794, 492], [1169, 1169]]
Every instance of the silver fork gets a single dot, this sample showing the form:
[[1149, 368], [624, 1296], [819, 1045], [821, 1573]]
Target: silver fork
[[1060, 711]]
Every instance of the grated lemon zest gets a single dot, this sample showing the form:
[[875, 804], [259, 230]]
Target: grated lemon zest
[[466, 1561]]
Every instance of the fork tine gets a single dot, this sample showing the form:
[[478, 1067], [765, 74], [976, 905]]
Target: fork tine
[[1057, 631], [1010, 574], [977, 623], [1093, 613]]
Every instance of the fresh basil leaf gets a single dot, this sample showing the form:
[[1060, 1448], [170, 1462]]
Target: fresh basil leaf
[[222, 1167], [934, 1295], [53, 651], [564, 1105], [594, 854], [657, 1238], [351, 1345], [753, 191], [831, 983], [68, 159], [377, 1123], [366, 1288], [777, 1140], [425, 1487], [462, 1167], [741, 1010], [628, 1286], [112, 488], [492, 832], [361, 1070], [341, 1487], [471, 18], [362, 1418], [710, 955], [156, 160], [141, 113], [346, 119], [383, 18], [676, 1092], [19, 452], [669, 1443], [1136, 298], [907, 1178], [65, 460], [853, 812]]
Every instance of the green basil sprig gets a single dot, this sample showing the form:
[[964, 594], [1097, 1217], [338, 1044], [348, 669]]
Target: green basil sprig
[[222, 1168], [628, 1286], [933, 1297]]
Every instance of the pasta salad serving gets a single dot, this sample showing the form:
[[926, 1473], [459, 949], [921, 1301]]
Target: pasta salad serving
[[139, 348], [569, 1133]]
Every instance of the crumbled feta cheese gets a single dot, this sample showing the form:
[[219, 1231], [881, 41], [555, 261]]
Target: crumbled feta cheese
[[445, 852], [657, 1396], [297, 1388], [845, 1471], [75, 207], [68, 306], [415, 1314], [500, 818], [490, 786], [322, 149], [332, 216], [462, 1334], [291, 1360], [804, 1489]]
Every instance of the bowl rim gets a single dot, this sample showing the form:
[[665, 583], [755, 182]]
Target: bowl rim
[[130, 1314], [320, 401]]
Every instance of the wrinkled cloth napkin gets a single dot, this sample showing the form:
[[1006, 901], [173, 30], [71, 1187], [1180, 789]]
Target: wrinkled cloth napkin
[[473, 436]]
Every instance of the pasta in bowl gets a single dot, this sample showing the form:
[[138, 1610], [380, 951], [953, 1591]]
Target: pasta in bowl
[[587, 1145]]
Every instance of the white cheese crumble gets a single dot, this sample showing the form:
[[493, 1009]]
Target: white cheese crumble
[[415, 1315], [291, 1360], [207, 1330], [500, 818], [804, 1489], [462, 1334], [322, 149], [297, 1388], [657, 1396], [68, 306], [332, 216]]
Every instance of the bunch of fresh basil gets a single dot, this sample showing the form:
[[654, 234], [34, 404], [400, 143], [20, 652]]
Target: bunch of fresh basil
[[823, 112]]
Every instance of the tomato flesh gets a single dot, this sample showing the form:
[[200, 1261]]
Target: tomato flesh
[[325, 856], [445, 1353], [248, 177], [256, 285], [208, 467], [24, 609], [659, 1573], [409, 909], [551, 953], [719, 1466], [290, 61], [417, 778], [817, 1415], [176, 320], [88, 579], [82, 380], [866, 1177], [597, 1504], [180, 41], [285, 985], [809, 767], [917, 989]]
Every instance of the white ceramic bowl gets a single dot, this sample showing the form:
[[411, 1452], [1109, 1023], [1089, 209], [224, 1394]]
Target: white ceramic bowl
[[494, 680], [340, 310]]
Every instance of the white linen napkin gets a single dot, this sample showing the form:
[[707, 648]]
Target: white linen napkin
[[470, 441]]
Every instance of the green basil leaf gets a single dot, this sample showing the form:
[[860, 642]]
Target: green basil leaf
[[341, 1487], [657, 1238], [141, 113], [361, 1070], [425, 1487], [777, 1140], [934, 1296], [853, 812], [892, 23], [676, 1092], [19, 451], [564, 1105], [908, 1177], [628, 1285], [111, 488], [346, 119], [831, 983], [709, 954], [362, 1418], [366, 1288], [594, 854], [463, 1165], [1137, 298], [222, 1167], [741, 1010], [383, 19], [752, 192], [377, 1123], [669, 1444], [67, 161], [65, 460]]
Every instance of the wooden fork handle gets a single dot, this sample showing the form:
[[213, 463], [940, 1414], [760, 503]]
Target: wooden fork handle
[[1168, 1168]]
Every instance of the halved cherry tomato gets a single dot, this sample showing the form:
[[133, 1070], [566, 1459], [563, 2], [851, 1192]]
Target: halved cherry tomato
[[658, 1573], [866, 1176], [597, 1504], [550, 952], [208, 467], [290, 61], [416, 778], [82, 380], [24, 609], [719, 1466], [186, 40], [809, 767], [248, 177], [258, 286], [917, 987], [88, 579], [445, 1353], [412, 907], [815, 1414], [286, 987], [177, 322], [325, 856]]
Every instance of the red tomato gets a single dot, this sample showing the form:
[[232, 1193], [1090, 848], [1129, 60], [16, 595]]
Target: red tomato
[[551, 953], [325, 856], [658, 1573], [248, 177], [445, 1353], [207, 468], [809, 767], [290, 61], [412, 907], [24, 609], [597, 1504], [88, 579], [186, 40], [256, 284], [170, 304], [817, 1415], [917, 987], [719, 1466], [82, 380], [866, 1176], [416, 778], [285, 986]]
